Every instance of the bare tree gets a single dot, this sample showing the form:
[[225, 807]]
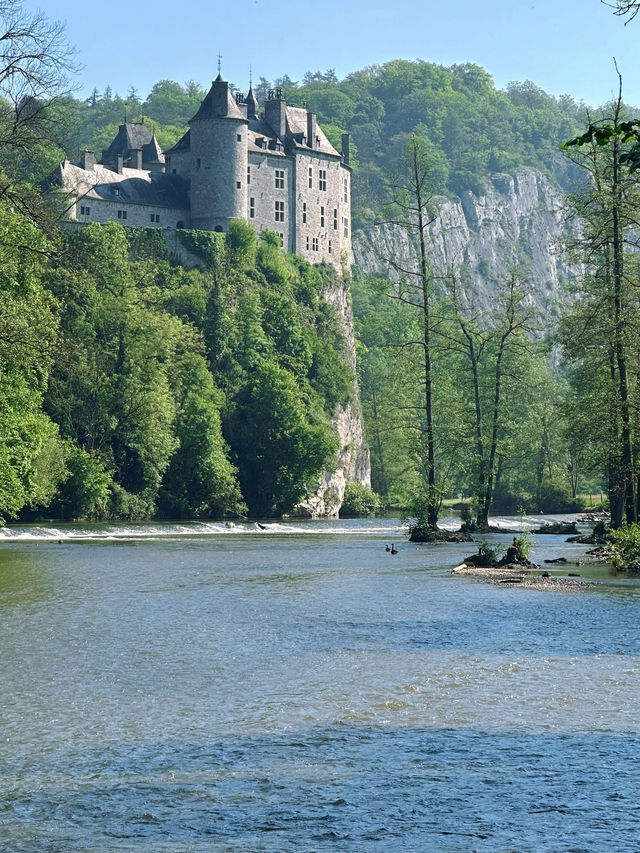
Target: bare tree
[[36, 62], [629, 8]]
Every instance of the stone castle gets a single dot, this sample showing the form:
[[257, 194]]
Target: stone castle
[[276, 170]]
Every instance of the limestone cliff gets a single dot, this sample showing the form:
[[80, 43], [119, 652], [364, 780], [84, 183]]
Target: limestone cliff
[[521, 222], [352, 464]]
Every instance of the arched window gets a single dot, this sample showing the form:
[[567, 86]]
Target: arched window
[[180, 224], [218, 228]]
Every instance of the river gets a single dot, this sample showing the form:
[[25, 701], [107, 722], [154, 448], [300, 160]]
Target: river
[[203, 687]]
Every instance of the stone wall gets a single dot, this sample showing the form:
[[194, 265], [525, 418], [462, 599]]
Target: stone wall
[[265, 194], [137, 215]]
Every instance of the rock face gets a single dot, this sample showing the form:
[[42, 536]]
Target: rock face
[[521, 223], [353, 464]]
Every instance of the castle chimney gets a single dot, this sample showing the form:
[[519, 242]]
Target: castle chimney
[[275, 114], [118, 168], [345, 149], [312, 129], [136, 158], [87, 160]]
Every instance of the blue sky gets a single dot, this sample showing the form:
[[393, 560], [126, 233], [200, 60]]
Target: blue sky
[[565, 46]]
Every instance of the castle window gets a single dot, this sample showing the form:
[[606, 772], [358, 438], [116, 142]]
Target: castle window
[[279, 211], [314, 244], [248, 174], [279, 179], [155, 217], [239, 137], [198, 163], [345, 189], [322, 215], [304, 213], [323, 179], [85, 211], [307, 244], [252, 208], [122, 214], [238, 185], [329, 246], [345, 222], [335, 218], [173, 171], [310, 177]]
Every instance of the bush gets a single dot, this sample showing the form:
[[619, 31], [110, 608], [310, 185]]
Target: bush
[[359, 501], [623, 548], [554, 498]]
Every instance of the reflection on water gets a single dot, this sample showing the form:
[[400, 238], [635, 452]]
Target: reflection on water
[[310, 692]]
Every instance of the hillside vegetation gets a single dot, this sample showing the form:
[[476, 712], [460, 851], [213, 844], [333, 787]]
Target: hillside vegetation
[[142, 388]]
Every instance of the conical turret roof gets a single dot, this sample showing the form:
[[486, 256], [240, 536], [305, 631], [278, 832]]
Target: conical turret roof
[[218, 103]]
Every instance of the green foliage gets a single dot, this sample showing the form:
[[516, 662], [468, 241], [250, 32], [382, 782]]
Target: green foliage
[[200, 481], [85, 491], [29, 471], [359, 501], [278, 446], [522, 545], [121, 372], [623, 548], [146, 243], [209, 246]]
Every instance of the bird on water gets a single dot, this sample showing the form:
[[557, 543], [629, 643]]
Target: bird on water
[[394, 550]]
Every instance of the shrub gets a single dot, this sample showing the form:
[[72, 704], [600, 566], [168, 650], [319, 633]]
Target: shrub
[[623, 548], [359, 501]]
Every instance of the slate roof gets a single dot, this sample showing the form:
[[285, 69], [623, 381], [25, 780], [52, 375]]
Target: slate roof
[[133, 186], [252, 104], [219, 103], [183, 144], [152, 153], [297, 128], [129, 136], [259, 131]]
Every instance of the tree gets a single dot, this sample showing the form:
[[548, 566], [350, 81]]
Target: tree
[[608, 209], [31, 453], [279, 449], [412, 205], [200, 481]]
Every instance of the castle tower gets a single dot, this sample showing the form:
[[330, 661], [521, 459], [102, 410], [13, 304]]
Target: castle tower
[[218, 160]]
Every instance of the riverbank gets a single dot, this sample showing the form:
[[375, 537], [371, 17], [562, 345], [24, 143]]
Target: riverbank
[[515, 575]]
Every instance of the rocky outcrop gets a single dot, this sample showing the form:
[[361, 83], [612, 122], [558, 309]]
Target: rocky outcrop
[[353, 464], [520, 223]]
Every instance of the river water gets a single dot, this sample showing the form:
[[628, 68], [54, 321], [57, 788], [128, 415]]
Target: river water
[[170, 688]]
